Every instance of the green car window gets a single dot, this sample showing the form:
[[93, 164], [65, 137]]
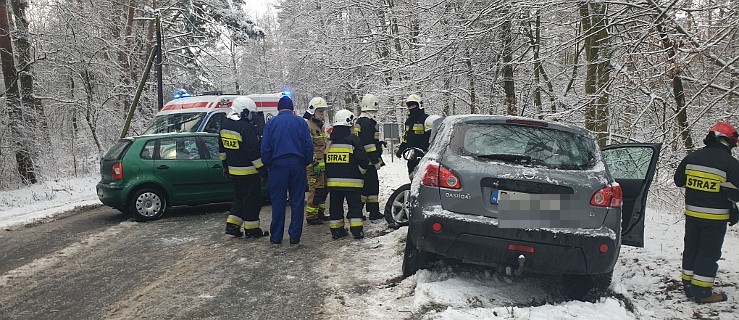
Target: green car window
[[179, 149], [212, 144]]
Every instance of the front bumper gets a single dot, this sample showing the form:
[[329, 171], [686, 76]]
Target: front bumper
[[477, 239]]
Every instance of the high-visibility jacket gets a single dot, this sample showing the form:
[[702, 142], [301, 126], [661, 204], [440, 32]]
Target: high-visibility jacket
[[416, 134], [320, 140], [239, 147], [346, 161], [368, 132], [710, 177]]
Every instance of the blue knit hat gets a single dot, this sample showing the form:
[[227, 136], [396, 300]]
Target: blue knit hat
[[285, 103]]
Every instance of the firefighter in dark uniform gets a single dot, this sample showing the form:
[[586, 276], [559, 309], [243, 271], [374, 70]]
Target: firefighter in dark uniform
[[239, 151], [416, 135], [710, 177], [369, 134], [316, 201], [346, 163]]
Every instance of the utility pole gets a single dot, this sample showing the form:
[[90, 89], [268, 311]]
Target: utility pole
[[160, 95]]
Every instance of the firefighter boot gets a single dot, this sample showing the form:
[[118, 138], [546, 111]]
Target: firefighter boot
[[255, 233], [375, 216], [314, 221], [687, 289], [357, 232], [706, 295], [337, 233], [234, 230]]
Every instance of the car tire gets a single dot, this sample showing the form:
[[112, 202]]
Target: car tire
[[583, 286], [147, 204], [413, 258], [396, 208]]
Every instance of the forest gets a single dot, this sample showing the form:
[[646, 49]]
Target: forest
[[629, 71]]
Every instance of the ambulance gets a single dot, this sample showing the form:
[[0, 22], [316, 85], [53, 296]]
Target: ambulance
[[204, 113]]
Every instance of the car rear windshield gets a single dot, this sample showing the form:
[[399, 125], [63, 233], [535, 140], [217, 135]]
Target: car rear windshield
[[176, 122], [117, 150], [537, 146]]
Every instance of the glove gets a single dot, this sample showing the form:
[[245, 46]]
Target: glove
[[399, 153], [379, 165], [384, 144], [316, 169], [733, 219]]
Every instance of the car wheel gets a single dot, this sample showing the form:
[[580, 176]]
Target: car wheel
[[413, 258], [582, 286], [147, 204], [396, 208]]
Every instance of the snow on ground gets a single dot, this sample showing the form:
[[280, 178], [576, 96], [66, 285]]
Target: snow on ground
[[645, 283]]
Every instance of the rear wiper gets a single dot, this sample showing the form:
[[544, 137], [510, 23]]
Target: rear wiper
[[520, 158]]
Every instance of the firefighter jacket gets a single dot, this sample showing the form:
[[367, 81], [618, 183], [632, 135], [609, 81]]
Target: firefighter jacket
[[239, 147], [320, 140], [710, 176], [416, 135], [369, 135], [346, 161]]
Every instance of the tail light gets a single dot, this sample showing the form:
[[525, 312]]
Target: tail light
[[610, 196], [117, 171], [436, 175]]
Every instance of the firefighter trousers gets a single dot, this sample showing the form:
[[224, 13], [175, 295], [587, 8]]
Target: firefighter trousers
[[336, 208], [703, 241], [317, 194], [247, 201], [371, 190]]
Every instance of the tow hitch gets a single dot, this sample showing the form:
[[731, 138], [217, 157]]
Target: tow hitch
[[509, 271]]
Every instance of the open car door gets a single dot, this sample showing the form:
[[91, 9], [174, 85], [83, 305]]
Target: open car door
[[633, 166]]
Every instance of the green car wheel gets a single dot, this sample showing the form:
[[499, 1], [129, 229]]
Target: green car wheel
[[147, 204]]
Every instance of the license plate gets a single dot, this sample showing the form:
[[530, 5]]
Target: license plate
[[495, 196]]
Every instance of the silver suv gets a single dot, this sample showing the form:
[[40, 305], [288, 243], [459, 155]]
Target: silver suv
[[526, 195]]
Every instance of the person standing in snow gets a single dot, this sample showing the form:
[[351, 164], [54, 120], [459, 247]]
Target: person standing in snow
[[316, 205], [369, 134], [346, 163], [286, 150], [710, 177], [239, 152], [416, 135]]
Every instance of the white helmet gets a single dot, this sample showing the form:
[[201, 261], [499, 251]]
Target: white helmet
[[370, 103], [316, 103], [241, 104], [415, 98], [429, 123], [344, 118]]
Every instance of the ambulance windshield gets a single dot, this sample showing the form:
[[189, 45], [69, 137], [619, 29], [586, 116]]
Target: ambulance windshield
[[176, 122]]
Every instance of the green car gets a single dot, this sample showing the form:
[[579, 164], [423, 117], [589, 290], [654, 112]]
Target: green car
[[147, 174]]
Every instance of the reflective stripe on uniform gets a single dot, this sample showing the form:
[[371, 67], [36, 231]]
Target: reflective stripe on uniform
[[706, 213], [242, 171], [362, 170], [248, 225], [222, 156], [336, 224], [377, 136], [687, 275], [356, 222], [357, 130], [258, 163], [340, 147], [311, 209], [230, 134], [373, 199], [419, 128], [232, 219], [721, 175], [701, 281], [364, 199], [370, 147], [322, 206], [344, 182], [321, 164]]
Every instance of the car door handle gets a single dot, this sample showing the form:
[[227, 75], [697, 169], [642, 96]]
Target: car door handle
[[162, 167], [216, 166]]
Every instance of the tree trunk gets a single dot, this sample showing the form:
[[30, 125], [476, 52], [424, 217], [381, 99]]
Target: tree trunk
[[677, 87], [507, 57], [594, 25], [19, 133]]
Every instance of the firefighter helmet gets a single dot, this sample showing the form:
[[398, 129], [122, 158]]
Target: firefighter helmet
[[242, 107], [414, 98], [370, 103], [727, 131], [316, 103], [344, 118], [429, 123]]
